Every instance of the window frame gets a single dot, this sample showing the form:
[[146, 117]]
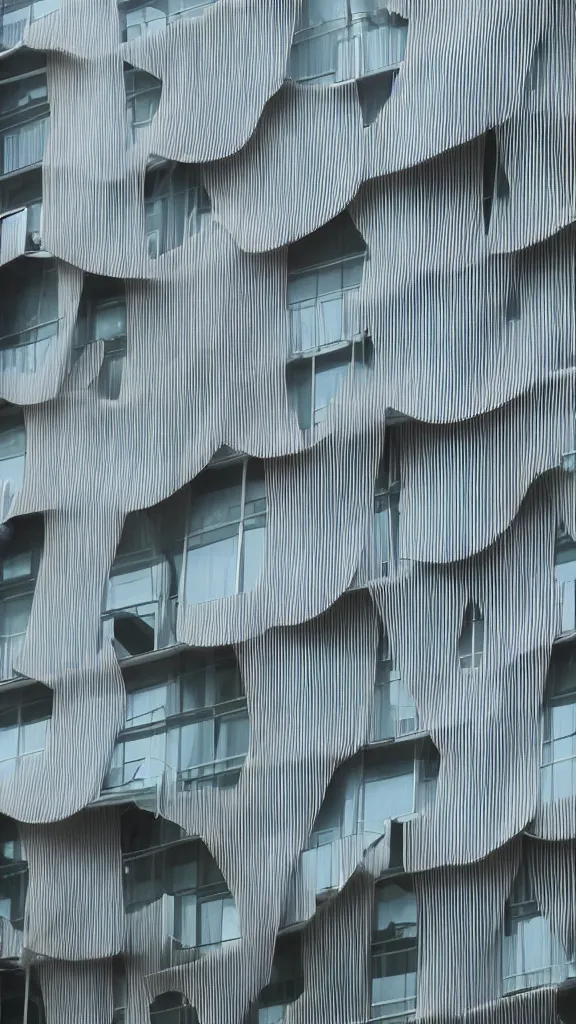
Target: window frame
[[13, 120], [133, 95], [242, 522], [380, 948], [14, 868], [469, 662]]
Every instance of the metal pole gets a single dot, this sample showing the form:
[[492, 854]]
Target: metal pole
[[26, 992]]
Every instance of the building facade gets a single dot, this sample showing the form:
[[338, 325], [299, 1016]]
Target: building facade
[[288, 541]]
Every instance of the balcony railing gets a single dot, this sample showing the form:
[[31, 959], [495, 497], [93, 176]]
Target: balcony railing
[[10, 648], [220, 774], [331, 319], [344, 53], [139, 21], [25, 352]]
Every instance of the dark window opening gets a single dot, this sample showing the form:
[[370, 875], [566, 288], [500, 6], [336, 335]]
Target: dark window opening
[[205, 914], [176, 205], [13, 875], [28, 324], [386, 558], [172, 1008], [286, 983], [143, 92], [535, 73], [102, 317], [24, 111], [495, 181], [513, 311], [374, 92], [13, 997], [471, 643], [20, 553]]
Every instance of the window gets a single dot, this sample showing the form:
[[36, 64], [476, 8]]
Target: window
[[565, 569], [24, 111], [22, 197], [558, 774], [324, 275], [143, 93], [176, 204], [12, 453], [286, 983], [102, 317], [226, 533], [373, 787], [495, 179], [471, 643], [172, 1008], [387, 512], [334, 42], [24, 715], [138, 18], [15, 15], [532, 955], [19, 562], [374, 92], [204, 912], [190, 714], [142, 591], [394, 710], [13, 874], [394, 948], [29, 324]]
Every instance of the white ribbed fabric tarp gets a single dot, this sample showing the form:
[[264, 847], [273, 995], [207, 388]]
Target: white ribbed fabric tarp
[[488, 409]]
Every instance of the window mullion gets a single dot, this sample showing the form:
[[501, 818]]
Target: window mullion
[[241, 527]]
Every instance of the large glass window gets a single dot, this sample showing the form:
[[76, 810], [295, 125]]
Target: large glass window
[[226, 532], [12, 453], [15, 15], [532, 956], [338, 40], [471, 643], [190, 714], [142, 591], [558, 774], [13, 874], [21, 197], [138, 18], [565, 569], [24, 111], [102, 317], [324, 275], [395, 713], [377, 785], [286, 983], [24, 716], [176, 203], [143, 93], [29, 323], [394, 948], [204, 912], [19, 561]]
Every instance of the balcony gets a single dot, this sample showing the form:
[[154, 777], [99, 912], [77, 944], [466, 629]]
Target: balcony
[[23, 145], [345, 46], [139, 19], [26, 350], [16, 16]]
